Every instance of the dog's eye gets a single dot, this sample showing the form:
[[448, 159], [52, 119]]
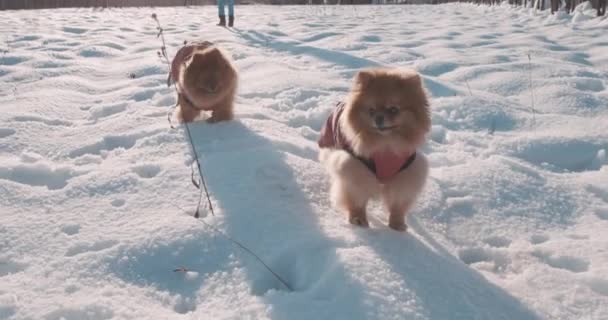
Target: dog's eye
[[392, 110]]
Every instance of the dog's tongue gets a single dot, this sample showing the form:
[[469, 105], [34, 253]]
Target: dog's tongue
[[388, 164]]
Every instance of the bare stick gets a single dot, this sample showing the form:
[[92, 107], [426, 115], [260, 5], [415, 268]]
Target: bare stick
[[163, 50], [468, 87], [163, 55], [531, 87], [241, 246]]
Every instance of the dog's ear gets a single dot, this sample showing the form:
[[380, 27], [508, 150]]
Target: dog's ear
[[410, 76], [363, 78], [208, 55], [214, 53]]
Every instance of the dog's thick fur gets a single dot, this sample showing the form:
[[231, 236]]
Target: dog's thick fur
[[375, 92], [206, 81]]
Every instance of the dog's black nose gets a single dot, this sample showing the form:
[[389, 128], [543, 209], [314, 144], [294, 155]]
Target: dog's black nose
[[379, 121], [212, 87]]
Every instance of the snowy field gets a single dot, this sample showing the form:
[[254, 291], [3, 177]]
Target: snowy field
[[94, 184]]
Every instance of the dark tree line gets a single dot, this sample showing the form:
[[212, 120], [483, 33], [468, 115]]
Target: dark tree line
[[43, 4], [599, 5]]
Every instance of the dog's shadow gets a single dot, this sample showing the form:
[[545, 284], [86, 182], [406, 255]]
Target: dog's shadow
[[257, 184], [259, 190], [265, 199], [445, 286], [259, 202]]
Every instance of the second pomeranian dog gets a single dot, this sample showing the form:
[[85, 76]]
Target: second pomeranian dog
[[206, 80], [369, 144]]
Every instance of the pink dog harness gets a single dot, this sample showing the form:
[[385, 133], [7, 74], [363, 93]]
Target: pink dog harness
[[384, 165]]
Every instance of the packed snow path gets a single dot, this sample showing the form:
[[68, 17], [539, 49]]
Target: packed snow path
[[93, 181]]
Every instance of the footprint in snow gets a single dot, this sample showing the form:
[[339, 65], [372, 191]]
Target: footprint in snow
[[107, 143], [6, 132], [147, 171], [6, 60], [70, 229], [118, 202], [538, 238], [497, 242], [572, 264], [8, 267], [38, 174], [497, 260], [96, 312], [74, 30], [602, 213], [97, 113], [26, 38], [43, 120], [599, 286], [81, 248]]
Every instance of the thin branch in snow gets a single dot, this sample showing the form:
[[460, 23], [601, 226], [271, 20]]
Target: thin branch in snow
[[531, 87], [8, 46], [163, 55], [242, 247], [492, 126], [163, 50], [468, 87]]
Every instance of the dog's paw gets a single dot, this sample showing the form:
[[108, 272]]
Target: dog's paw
[[216, 119], [359, 221], [398, 226]]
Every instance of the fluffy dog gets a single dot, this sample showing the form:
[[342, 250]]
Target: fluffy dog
[[206, 80], [369, 142]]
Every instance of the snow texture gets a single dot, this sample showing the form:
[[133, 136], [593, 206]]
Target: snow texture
[[94, 184]]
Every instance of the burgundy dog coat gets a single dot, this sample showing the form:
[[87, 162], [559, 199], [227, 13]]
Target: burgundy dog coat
[[384, 165]]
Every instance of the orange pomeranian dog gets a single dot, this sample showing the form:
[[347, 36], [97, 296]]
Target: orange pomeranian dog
[[206, 80], [369, 142]]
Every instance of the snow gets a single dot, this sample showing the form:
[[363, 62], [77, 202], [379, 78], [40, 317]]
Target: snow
[[94, 183]]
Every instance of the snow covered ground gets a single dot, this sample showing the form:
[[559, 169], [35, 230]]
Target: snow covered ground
[[512, 224]]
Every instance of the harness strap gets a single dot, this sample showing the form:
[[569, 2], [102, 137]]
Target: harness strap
[[332, 137], [371, 165]]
